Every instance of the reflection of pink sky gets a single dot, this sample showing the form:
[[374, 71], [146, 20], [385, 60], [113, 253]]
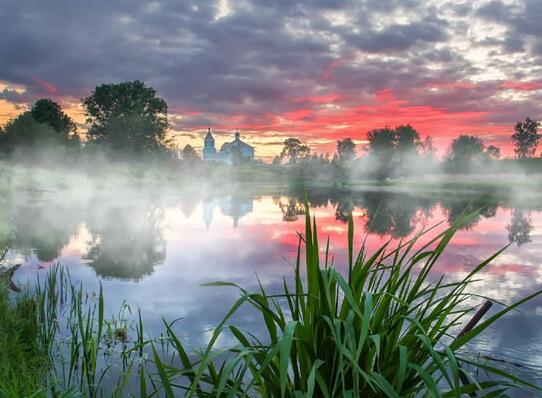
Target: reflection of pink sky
[[262, 232], [197, 254]]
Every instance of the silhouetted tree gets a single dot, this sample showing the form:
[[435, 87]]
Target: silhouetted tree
[[49, 112], [294, 150], [464, 152], [427, 148], [407, 141], [346, 150], [493, 152], [189, 154], [526, 138], [127, 117], [25, 132]]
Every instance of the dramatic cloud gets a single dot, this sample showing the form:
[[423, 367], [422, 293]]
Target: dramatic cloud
[[321, 69]]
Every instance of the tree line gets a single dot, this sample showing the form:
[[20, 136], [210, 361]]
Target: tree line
[[124, 118], [129, 118], [401, 151]]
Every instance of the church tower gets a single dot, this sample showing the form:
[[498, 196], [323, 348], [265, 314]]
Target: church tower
[[209, 150]]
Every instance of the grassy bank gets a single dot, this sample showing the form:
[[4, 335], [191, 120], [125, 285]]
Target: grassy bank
[[23, 362], [381, 330]]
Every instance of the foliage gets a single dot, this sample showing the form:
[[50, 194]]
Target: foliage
[[493, 152], [189, 154], [294, 150], [24, 132], [346, 149], [392, 149], [381, 331], [128, 117], [23, 364], [468, 152], [49, 112], [526, 138]]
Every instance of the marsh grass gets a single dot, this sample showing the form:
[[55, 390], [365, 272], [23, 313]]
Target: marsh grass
[[383, 329], [23, 364]]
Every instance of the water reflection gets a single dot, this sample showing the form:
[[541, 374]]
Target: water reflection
[[155, 252], [127, 241]]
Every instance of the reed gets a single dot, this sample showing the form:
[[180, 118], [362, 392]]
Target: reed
[[383, 330]]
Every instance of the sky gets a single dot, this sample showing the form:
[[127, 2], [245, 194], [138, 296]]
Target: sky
[[319, 70]]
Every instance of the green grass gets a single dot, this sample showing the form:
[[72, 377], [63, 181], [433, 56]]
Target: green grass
[[382, 329], [23, 364]]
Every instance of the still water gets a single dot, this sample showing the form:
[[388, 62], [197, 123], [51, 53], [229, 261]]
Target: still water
[[155, 254]]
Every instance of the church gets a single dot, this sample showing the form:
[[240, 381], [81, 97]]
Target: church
[[230, 152]]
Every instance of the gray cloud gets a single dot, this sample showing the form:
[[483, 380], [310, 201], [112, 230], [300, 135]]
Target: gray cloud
[[262, 57]]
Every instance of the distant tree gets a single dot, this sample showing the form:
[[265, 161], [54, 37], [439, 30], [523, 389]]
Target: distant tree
[[407, 140], [127, 116], [526, 138], [346, 150], [49, 112], [382, 142], [25, 132], [189, 154], [294, 150], [493, 152], [427, 148], [276, 160], [465, 149]]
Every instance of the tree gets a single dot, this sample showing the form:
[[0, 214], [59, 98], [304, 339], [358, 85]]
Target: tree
[[189, 154], [127, 116], [25, 132], [407, 140], [49, 112], [465, 149], [427, 148], [346, 149], [526, 138], [294, 150], [493, 152]]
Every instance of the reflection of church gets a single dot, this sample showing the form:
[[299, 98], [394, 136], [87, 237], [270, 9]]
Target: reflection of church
[[231, 206], [230, 152]]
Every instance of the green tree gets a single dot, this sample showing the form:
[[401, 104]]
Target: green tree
[[464, 152], [526, 138], [493, 152], [346, 149], [24, 132], [127, 117], [407, 142], [294, 150], [49, 112], [189, 154]]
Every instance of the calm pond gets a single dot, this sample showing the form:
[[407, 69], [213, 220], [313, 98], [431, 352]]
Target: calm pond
[[156, 254]]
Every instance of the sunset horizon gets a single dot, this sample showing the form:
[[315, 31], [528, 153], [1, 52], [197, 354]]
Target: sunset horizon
[[318, 72]]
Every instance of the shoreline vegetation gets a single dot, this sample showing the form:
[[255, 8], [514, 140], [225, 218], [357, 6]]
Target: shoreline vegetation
[[381, 330]]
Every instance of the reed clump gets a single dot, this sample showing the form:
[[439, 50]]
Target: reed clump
[[383, 329]]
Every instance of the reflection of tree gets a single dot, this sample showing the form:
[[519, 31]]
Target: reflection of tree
[[128, 243], [476, 209], [343, 210], [520, 227], [44, 228], [292, 209], [392, 213]]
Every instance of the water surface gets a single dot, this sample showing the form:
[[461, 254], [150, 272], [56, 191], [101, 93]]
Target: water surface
[[156, 253]]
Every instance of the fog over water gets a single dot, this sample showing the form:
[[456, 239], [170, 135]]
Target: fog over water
[[155, 247]]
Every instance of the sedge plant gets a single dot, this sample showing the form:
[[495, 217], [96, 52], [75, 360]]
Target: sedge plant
[[382, 330]]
